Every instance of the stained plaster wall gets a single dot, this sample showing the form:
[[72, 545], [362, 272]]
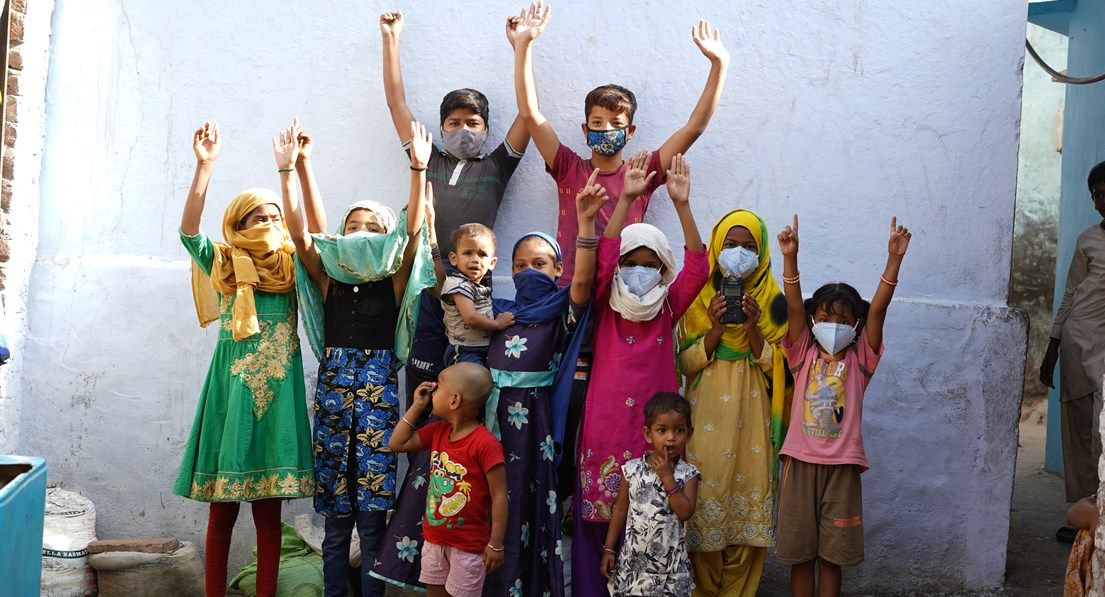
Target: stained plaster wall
[[848, 112]]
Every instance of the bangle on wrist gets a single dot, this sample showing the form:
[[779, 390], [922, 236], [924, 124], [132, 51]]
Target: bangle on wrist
[[883, 278], [673, 488], [496, 549], [435, 252], [589, 243], [794, 280], [406, 420], [422, 169], [286, 170], [609, 551]]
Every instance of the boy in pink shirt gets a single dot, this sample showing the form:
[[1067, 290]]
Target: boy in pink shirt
[[609, 126], [833, 344]]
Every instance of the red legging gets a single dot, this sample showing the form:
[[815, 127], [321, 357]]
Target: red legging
[[220, 526]]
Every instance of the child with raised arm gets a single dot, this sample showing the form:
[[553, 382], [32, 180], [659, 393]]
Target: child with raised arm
[[358, 294], [607, 128], [637, 301], [657, 495], [466, 501], [250, 441], [469, 183], [833, 345]]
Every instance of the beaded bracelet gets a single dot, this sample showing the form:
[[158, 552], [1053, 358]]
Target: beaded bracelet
[[793, 280], [587, 242], [883, 278]]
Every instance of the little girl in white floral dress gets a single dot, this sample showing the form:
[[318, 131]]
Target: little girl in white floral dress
[[657, 495]]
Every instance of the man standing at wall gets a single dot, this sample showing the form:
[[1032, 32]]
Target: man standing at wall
[[1078, 336]]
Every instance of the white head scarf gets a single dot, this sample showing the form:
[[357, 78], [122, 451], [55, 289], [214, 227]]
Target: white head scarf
[[646, 307], [383, 212]]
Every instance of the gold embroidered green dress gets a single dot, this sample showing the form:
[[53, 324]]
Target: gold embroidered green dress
[[251, 438]]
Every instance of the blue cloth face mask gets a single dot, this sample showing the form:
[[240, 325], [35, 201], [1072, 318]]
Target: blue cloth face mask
[[738, 261], [607, 142], [464, 143], [834, 337], [639, 279]]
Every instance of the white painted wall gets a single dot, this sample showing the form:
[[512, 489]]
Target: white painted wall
[[847, 112]]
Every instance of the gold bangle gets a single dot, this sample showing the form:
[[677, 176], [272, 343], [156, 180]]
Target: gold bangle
[[496, 550], [404, 419], [883, 278], [793, 280]]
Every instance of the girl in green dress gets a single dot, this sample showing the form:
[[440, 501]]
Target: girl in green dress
[[250, 440]]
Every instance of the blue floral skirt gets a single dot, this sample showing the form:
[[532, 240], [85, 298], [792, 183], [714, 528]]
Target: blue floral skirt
[[356, 409]]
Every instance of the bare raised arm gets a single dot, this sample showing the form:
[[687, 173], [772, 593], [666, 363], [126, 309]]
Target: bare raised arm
[[792, 287], [876, 314], [421, 146], [708, 40], [589, 201], [391, 26], [637, 179], [523, 29], [404, 438], [205, 144], [285, 149], [679, 189], [312, 199]]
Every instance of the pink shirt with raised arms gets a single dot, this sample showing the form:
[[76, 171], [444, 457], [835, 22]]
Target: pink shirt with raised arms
[[570, 171], [633, 361], [826, 413]]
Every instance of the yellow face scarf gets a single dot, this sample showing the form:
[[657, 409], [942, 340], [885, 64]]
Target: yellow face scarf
[[760, 284], [255, 258]]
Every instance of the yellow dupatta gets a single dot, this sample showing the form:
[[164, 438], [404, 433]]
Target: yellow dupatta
[[255, 258], [763, 288]]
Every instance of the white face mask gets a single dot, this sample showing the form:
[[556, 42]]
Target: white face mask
[[834, 337], [464, 143], [738, 261], [639, 279]]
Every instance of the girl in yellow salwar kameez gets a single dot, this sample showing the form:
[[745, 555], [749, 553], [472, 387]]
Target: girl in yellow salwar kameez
[[735, 384]]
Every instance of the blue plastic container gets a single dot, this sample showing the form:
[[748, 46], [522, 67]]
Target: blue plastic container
[[22, 505]]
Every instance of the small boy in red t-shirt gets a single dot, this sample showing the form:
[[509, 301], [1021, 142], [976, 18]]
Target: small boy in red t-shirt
[[467, 481]]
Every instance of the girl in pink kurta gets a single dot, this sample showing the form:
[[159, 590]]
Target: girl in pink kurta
[[638, 299]]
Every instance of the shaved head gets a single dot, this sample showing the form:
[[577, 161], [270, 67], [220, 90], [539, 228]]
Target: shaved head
[[471, 381]]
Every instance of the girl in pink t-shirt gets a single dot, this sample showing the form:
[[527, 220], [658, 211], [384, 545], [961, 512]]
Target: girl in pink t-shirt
[[833, 345], [638, 298]]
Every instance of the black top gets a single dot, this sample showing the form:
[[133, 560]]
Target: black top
[[361, 315]]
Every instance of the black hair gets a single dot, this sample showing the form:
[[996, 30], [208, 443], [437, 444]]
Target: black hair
[[612, 97], [667, 402], [1097, 176], [834, 298], [473, 230], [465, 98]]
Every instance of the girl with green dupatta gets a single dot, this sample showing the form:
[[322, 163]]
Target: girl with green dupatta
[[358, 291], [736, 384]]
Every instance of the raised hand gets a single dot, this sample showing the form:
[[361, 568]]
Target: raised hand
[[306, 144], [285, 146], [788, 239], [529, 23], [591, 198], [679, 180], [899, 237], [391, 23], [637, 176], [205, 142], [421, 145], [708, 40]]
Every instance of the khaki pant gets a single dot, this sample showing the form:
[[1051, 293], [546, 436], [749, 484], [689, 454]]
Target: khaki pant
[[732, 572], [1081, 444]]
